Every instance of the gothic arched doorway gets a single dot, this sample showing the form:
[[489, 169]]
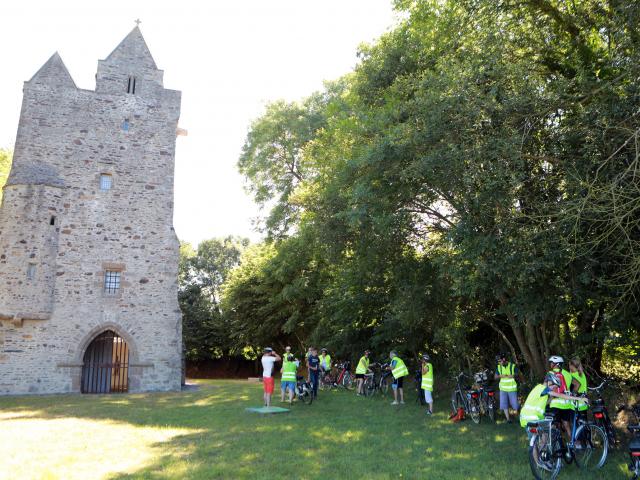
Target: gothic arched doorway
[[105, 366]]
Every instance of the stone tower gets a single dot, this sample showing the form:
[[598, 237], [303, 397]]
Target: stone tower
[[88, 253]]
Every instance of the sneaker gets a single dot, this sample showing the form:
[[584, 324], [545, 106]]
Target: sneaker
[[394, 403], [429, 412], [402, 403], [509, 421]]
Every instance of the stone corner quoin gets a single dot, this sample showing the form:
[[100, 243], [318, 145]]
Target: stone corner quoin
[[88, 253]]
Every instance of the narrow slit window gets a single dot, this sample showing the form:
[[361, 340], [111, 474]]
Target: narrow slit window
[[31, 271], [131, 85], [52, 220], [125, 125], [111, 281], [106, 182]]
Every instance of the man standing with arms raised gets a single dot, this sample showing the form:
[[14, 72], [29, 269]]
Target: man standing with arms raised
[[269, 358]]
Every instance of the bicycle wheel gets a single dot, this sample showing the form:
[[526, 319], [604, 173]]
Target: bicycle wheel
[[347, 381], [305, 396], [474, 410], [610, 432], [369, 387], [456, 402], [544, 462], [384, 385], [491, 410], [325, 383], [591, 447]]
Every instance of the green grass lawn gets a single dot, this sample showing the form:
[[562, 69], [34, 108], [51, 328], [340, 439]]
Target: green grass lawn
[[207, 434]]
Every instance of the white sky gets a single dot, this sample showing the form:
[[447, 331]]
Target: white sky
[[229, 58]]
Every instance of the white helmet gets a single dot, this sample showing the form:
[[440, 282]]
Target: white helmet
[[556, 359]]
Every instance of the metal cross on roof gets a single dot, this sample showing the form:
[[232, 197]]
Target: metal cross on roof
[[138, 22]]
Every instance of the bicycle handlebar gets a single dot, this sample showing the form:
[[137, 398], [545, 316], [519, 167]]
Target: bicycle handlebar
[[599, 387]]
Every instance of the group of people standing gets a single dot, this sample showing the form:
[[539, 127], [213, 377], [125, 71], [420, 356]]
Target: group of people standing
[[398, 370], [562, 393], [560, 390], [316, 365]]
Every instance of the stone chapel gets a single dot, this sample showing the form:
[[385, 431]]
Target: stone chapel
[[88, 253]]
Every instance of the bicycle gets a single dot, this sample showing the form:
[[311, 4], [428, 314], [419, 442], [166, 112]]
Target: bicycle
[[548, 449], [486, 395], [459, 397], [377, 380], [304, 390], [601, 414], [634, 443], [343, 379]]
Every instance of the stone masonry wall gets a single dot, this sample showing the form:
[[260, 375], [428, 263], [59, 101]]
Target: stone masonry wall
[[67, 138]]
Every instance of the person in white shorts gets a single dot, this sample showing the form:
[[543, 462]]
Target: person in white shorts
[[427, 382]]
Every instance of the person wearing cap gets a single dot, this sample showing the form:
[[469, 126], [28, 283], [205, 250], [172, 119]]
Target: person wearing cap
[[325, 361], [285, 359], [506, 372], [288, 379], [269, 358], [399, 371], [427, 382], [561, 408], [535, 405], [361, 370]]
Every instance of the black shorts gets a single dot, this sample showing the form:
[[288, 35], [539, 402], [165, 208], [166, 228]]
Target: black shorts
[[359, 375], [562, 414], [398, 382]]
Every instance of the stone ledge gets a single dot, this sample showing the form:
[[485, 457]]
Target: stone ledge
[[80, 365], [18, 320]]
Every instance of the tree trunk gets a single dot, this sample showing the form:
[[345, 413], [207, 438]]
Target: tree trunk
[[514, 354], [534, 348]]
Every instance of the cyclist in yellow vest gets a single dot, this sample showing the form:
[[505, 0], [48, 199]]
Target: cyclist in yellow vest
[[361, 369], [535, 405], [561, 408], [399, 371], [427, 382], [288, 380], [285, 356], [325, 362], [578, 383], [506, 372]]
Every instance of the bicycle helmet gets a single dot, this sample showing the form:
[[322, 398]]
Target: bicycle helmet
[[556, 359], [426, 357], [553, 379], [501, 356], [323, 350]]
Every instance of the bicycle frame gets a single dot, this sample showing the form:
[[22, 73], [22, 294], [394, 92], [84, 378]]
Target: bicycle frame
[[461, 392]]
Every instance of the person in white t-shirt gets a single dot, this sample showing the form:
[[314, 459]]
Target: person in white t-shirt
[[269, 358]]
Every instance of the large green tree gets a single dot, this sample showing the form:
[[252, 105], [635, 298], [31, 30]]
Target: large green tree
[[470, 186], [5, 167], [202, 272]]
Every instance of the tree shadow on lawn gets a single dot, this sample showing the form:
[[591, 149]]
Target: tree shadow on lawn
[[339, 436]]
